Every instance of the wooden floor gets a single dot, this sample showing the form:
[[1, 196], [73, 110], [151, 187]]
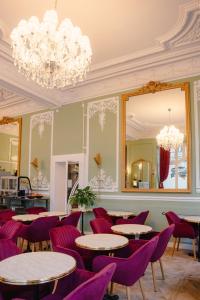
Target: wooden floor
[[182, 280]]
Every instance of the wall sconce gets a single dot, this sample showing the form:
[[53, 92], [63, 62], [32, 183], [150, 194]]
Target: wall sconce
[[98, 159]]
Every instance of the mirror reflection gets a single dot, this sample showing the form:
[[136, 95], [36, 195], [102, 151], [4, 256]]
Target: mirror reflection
[[10, 145], [156, 138]]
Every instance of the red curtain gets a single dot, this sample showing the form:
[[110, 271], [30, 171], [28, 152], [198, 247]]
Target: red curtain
[[164, 165]]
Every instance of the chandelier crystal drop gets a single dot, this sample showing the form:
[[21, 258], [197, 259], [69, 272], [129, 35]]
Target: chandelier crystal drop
[[52, 56], [170, 137]]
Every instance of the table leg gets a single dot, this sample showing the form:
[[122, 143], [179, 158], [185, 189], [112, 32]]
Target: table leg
[[36, 292], [198, 250], [82, 222]]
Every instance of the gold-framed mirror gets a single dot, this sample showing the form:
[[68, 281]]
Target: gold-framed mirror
[[156, 142], [10, 150]]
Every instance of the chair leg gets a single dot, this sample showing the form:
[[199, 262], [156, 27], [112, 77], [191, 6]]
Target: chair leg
[[141, 288], [161, 268], [128, 293], [179, 239], [194, 248], [174, 246], [154, 277], [111, 287]]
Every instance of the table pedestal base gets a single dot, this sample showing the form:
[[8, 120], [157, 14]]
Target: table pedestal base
[[110, 297]]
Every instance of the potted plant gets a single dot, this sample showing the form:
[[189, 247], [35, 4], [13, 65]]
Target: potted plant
[[84, 197]]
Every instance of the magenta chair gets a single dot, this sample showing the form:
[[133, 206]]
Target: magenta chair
[[10, 230], [100, 212], [183, 229], [64, 236], [139, 219], [38, 230], [8, 248], [72, 219], [164, 237], [101, 225], [6, 215], [35, 210], [92, 288], [131, 269]]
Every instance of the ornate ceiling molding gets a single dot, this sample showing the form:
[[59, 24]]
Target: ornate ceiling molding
[[174, 56]]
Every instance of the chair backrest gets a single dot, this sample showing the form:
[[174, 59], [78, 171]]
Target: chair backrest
[[72, 219], [164, 237], [101, 225], [64, 236], [38, 230], [6, 215], [10, 230], [172, 217], [139, 219], [133, 267], [35, 210], [95, 287], [100, 212], [8, 248]]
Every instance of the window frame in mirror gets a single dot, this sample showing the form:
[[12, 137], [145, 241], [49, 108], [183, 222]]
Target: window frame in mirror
[[8, 120], [151, 88]]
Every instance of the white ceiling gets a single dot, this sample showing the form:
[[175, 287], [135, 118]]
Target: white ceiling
[[115, 27], [131, 41]]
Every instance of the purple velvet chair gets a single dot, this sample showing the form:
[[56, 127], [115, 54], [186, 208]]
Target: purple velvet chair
[[101, 225], [92, 288], [38, 230], [35, 210], [164, 237], [72, 219], [10, 230], [139, 219], [131, 269], [6, 215], [8, 248], [100, 212], [183, 229], [64, 236]]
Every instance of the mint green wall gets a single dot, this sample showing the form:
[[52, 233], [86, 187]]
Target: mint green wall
[[68, 138]]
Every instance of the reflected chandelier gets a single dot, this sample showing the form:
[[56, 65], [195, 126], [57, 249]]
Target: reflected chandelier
[[170, 137], [52, 57]]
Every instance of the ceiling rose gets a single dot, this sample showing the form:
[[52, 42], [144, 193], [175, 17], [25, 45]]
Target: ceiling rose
[[52, 56]]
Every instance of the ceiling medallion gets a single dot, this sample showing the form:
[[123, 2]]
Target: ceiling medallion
[[52, 56]]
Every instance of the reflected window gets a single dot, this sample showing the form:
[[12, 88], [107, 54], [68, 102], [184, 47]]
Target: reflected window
[[177, 177]]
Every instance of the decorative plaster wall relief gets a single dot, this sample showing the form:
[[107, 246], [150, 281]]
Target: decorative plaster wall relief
[[41, 139], [103, 117]]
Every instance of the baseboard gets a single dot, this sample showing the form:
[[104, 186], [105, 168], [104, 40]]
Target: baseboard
[[184, 246]]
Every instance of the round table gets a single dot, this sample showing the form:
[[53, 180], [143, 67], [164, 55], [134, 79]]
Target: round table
[[131, 229], [196, 220], [26, 217], [35, 268], [53, 213], [101, 241], [123, 214]]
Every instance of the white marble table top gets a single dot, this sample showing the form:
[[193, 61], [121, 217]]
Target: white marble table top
[[131, 229], [193, 219], [116, 213], [26, 217], [101, 241], [52, 213], [36, 267]]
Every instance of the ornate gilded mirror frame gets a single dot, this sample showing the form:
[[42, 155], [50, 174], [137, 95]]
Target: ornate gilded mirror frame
[[151, 88], [8, 120]]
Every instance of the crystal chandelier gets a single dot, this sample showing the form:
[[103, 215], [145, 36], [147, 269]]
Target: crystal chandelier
[[52, 56], [170, 137]]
